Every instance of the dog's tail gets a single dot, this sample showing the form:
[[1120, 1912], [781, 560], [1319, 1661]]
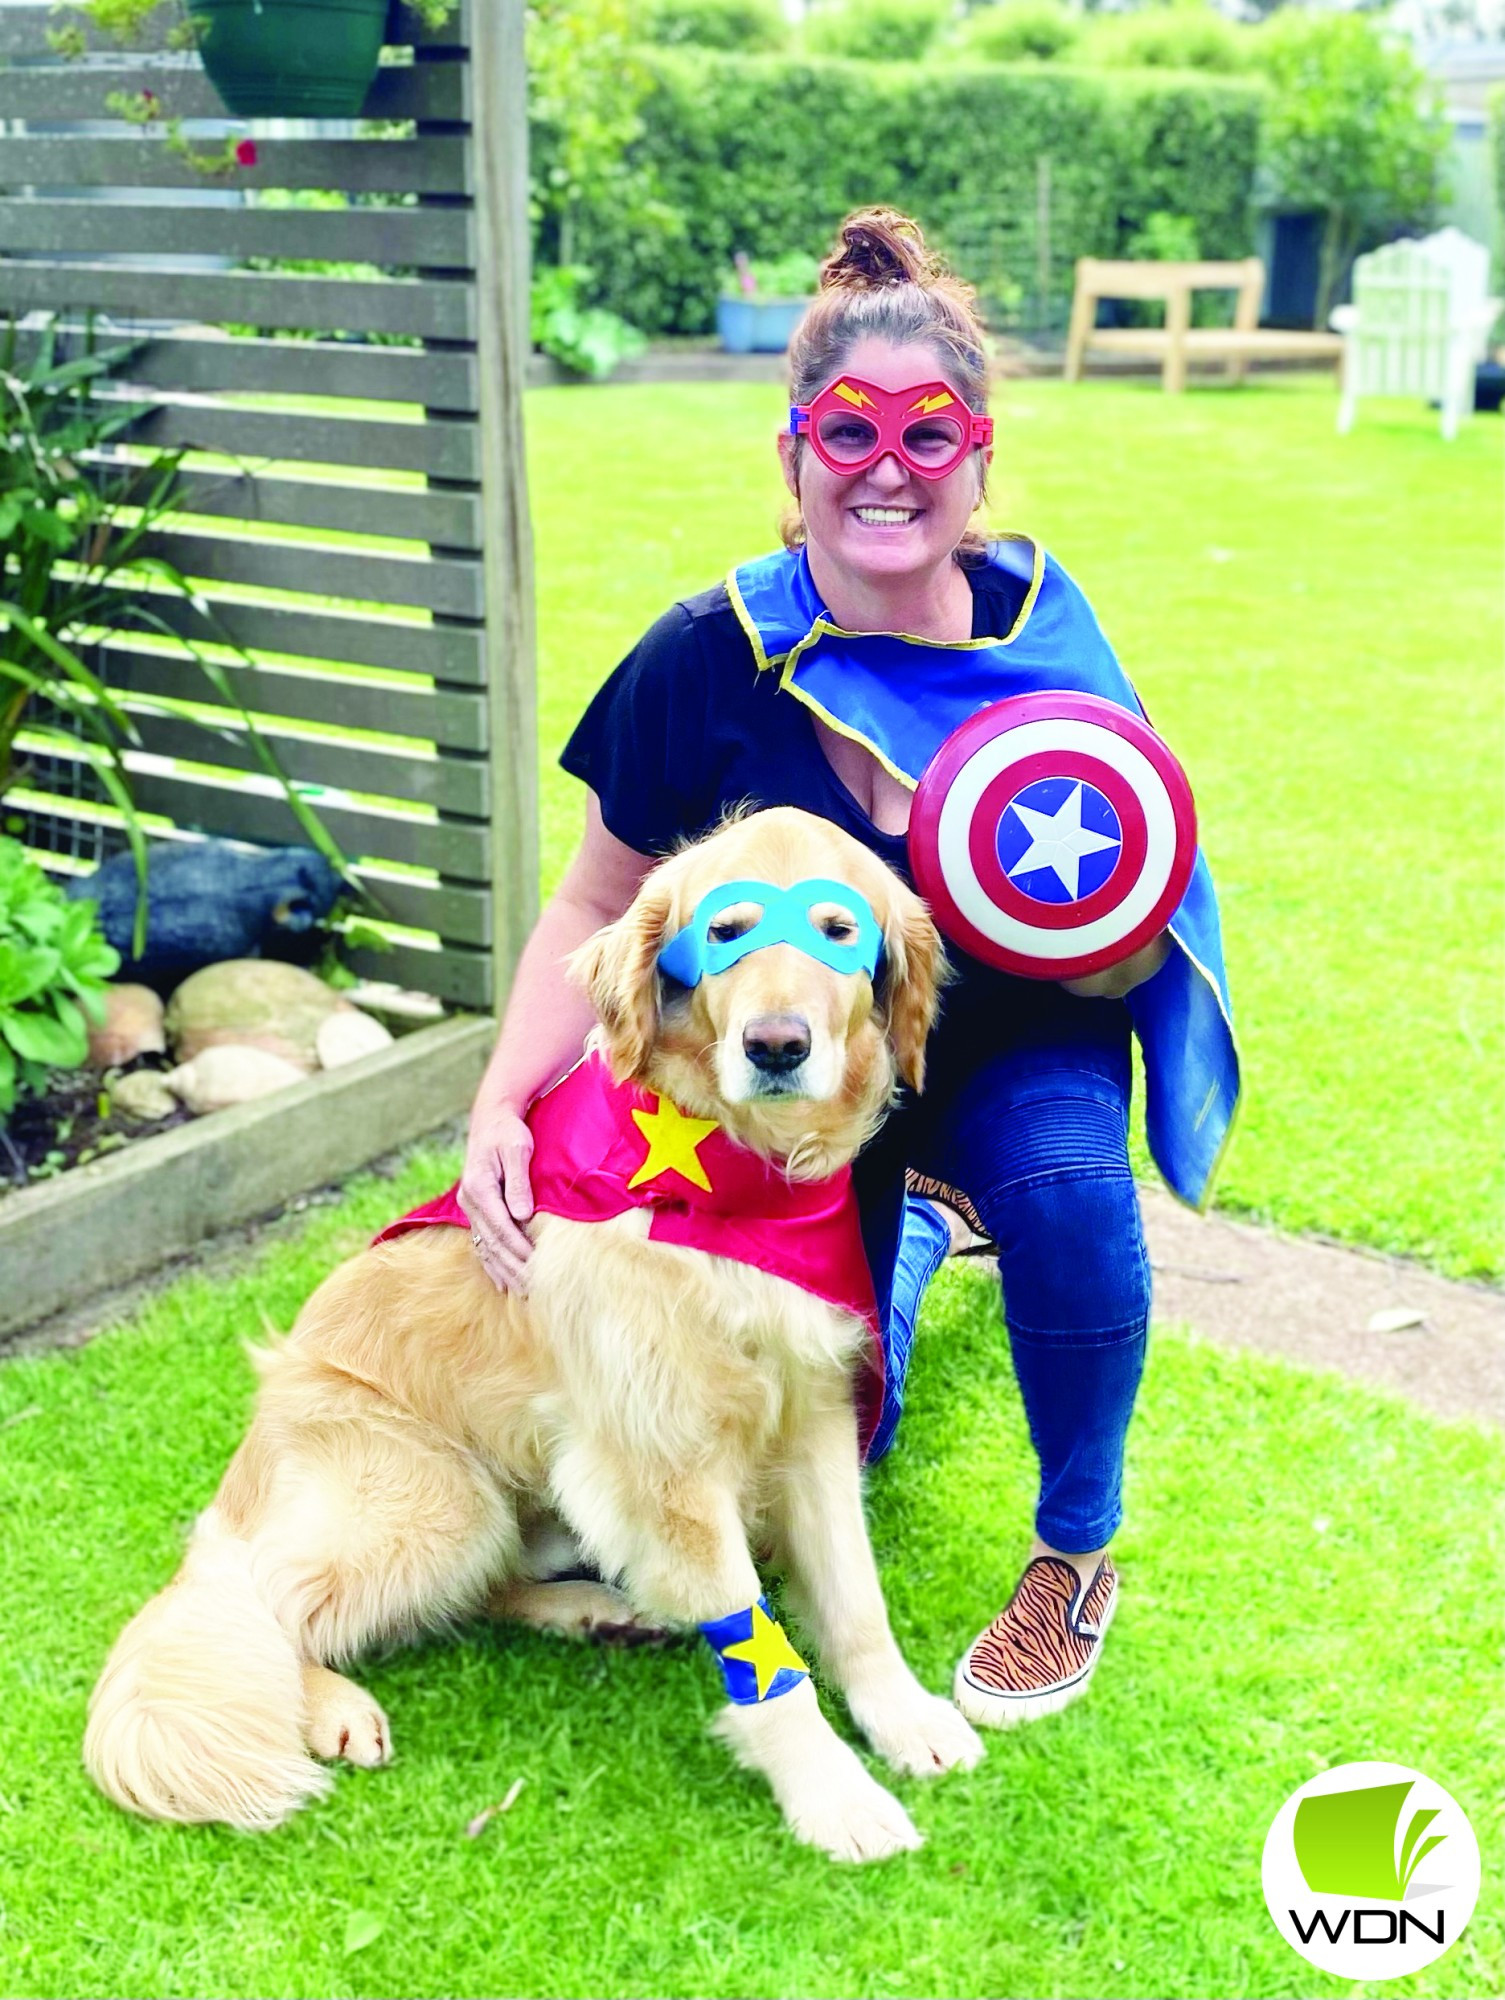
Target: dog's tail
[[198, 1714]]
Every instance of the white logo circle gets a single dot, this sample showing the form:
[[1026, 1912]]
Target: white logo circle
[[1371, 1871]]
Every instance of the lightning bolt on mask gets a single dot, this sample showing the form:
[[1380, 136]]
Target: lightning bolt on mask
[[851, 424]]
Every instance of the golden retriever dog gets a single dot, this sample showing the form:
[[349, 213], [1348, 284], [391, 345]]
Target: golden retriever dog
[[673, 1409]]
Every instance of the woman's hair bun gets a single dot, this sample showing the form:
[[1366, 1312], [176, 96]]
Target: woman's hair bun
[[878, 247]]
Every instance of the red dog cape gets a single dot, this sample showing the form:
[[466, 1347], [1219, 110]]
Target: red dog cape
[[601, 1148]]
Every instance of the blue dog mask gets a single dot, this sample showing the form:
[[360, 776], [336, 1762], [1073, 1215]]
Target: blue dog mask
[[692, 953]]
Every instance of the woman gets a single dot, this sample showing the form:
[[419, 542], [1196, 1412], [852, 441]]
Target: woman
[[1026, 1102]]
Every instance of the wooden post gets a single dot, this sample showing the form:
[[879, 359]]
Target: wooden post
[[1083, 312], [1177, 323], [500, 153], [1246, 312]]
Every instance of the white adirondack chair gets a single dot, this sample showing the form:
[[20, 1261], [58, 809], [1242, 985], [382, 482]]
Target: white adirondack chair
[[1420, 320]]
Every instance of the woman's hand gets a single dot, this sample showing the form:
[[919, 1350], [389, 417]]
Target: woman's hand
[[547, 1022], [496, 1194], [1114, 981]]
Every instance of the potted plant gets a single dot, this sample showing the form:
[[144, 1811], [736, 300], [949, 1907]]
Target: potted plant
[[291, 58], [270, 58], [761, 303]]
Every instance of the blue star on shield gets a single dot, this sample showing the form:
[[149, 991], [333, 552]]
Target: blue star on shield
[[1059, 840]]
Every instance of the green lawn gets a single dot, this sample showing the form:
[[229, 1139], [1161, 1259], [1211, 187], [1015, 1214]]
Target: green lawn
[[1313, 622], [1311, 1571], [1309, 1579]]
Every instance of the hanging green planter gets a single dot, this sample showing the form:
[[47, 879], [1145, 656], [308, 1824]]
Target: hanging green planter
[[291, 58]]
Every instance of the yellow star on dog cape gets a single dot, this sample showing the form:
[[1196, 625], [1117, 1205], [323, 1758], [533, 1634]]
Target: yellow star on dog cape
[[766, 1651], [672, 1139]]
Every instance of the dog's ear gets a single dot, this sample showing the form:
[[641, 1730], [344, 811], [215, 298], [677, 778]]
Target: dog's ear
[[909, 987], [618, 967]]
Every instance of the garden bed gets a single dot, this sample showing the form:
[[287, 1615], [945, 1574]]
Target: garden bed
[[97, 1224], [72, 1123]]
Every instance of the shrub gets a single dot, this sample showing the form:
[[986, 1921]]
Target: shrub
[[766, 155], [1172, 239], [585, 82], [1018, 31], [876, 30], [53, 968], [750, 25], [585, 339], [1350, 131], [1186, 34]]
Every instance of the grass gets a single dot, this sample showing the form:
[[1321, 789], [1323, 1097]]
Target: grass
[[1310, 1569], [1313, 622], [1310, 1580]]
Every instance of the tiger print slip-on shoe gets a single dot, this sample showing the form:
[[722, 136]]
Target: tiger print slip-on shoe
[[1041, 1650]]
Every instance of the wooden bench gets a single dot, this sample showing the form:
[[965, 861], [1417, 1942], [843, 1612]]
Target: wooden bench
[[1178, 342]]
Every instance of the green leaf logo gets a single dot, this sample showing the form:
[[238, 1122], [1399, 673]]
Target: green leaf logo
[[1346, 1842]]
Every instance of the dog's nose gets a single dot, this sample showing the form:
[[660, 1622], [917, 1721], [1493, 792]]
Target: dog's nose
[[775, 1043]]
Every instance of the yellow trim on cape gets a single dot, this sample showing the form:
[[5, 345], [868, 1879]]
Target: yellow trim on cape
[[749, 625], [825, 628], [845, 729], [1201, 1207]]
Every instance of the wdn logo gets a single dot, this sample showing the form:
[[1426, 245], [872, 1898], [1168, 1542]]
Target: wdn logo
[[1344, 1871]]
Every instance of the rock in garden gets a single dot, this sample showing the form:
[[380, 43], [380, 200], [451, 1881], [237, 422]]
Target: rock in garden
[[225, 1075], [347, 1036], [132, 1027], [252, 1003], [208, 901], [143, 1097]]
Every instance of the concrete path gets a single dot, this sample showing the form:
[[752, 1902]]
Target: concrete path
[[1325, 1306]]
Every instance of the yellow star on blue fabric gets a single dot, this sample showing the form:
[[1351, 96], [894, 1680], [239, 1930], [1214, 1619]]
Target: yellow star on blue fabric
[[766, 1651], [672, 1141]]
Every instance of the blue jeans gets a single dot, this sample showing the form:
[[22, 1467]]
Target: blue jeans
[[1037, 1138]]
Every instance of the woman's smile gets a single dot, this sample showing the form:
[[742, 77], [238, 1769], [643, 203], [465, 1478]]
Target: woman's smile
[[876, 516]]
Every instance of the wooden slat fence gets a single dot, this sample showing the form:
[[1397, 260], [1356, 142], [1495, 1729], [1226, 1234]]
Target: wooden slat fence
[[354, 503]]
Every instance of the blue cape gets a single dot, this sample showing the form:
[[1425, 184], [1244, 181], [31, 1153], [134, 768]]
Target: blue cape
[[901, 697]]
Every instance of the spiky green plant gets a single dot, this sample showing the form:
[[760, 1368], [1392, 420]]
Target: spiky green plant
[[75, 529]]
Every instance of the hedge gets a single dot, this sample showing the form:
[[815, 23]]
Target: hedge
[[1497, 141], [766, 154]]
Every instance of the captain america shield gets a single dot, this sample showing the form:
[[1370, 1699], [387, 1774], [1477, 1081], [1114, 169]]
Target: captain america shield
[[1052, 835]]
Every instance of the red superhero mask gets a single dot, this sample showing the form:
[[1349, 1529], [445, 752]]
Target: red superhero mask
[[851, 424]]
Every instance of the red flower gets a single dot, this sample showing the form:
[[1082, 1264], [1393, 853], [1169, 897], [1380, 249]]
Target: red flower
[[245, 152], [148, 97]]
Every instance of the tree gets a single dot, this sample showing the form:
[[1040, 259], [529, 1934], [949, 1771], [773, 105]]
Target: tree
[[586, 81], [1350, 129]]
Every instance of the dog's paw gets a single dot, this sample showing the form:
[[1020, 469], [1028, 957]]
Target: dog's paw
[[342, 1720], [576, 1608], [852, 1818], [920, 1734]]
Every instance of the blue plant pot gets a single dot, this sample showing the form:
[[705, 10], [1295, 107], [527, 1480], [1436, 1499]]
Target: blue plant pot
[[757, 326]]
